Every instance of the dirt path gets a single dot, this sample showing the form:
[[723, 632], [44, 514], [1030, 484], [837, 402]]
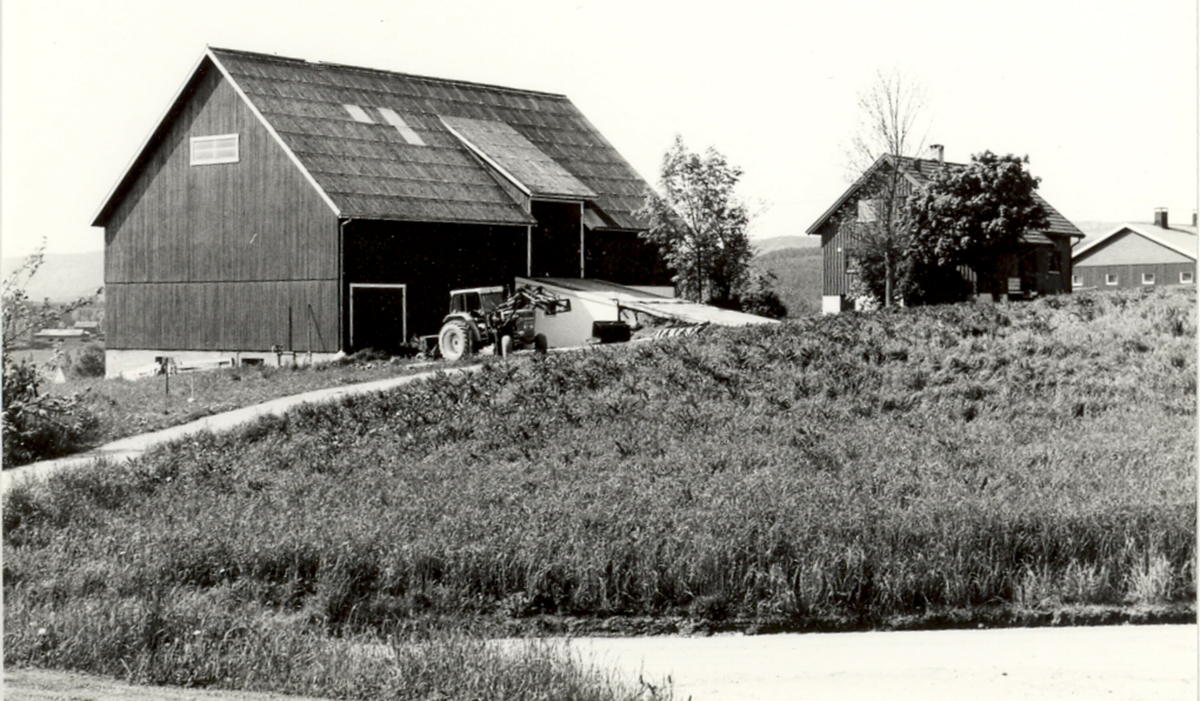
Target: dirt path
[[135, 446]]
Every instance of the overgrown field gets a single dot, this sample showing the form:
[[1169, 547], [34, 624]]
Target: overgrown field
[[848, 470]]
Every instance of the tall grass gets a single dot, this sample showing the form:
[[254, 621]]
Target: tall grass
[[187, 637], [847, 469]]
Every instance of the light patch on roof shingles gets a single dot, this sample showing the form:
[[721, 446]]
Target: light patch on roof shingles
[[536, 171], [309, 95]]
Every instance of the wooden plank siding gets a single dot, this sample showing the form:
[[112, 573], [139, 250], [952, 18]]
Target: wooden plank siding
[[210, 257], [838, 234], [835, 239], [1130, 275], [226, 316]]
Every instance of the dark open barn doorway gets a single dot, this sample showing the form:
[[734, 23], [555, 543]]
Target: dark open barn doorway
[[378, 316]]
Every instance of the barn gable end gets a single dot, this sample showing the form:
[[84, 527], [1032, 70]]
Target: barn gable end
[[212, 257]]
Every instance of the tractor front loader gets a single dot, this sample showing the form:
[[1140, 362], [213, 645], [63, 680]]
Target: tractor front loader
[[482, 316]]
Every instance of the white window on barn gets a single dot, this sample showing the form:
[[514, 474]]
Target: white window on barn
[[866, 210], [210, 150], [1147, 278], [1076, 281], [1186, 277], [1110, 279], [406, 131], [359, 114]]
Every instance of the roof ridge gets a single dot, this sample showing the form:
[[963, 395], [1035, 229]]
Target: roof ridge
[[1173, 227], [1148, 231], [364, 69], [918, 160]]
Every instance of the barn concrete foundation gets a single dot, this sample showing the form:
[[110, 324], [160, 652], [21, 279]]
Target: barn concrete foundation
[[133, 364]]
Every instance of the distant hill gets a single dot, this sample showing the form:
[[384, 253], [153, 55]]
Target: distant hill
[[776, 243], [63, 277], [799, 277]]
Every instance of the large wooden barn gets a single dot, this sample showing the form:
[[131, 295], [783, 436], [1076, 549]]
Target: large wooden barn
[[1041, 264], [284, 205]]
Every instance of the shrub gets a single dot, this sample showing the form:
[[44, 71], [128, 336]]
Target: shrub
[[89, 362], [35, 425], [39, 426]]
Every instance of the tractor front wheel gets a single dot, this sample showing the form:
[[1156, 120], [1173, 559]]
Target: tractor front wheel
[[454, 341]]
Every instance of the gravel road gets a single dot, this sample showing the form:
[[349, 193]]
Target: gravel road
[[1116, 662]]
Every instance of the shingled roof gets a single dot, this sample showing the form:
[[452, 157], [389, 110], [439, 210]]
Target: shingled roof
[[380, 145], [920, 172]]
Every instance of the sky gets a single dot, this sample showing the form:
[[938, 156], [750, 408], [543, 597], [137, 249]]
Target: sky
[[1101, 96]]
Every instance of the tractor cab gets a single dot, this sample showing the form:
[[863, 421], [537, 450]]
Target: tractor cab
[[477, 300]]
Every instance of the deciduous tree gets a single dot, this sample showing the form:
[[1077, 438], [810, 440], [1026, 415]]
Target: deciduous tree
[[975, 214], [700, 224], [891, 122]]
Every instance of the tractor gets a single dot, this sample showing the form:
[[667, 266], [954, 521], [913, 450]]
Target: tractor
[[482, 316]]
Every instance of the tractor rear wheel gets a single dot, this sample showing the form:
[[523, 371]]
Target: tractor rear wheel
[[454, 341]]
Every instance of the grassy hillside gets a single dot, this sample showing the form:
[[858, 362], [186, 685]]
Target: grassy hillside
[[964, 463], [776, 243], [799, 274]]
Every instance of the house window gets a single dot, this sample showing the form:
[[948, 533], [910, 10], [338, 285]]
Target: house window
[[1054, 265], [208, 150], [866, 210], [1076, 281], [1110, 279], [1147, 278], [1186, 277]]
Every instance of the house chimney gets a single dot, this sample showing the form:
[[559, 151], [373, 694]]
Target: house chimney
[[937, 152], [1160, 217], [1193, 218]]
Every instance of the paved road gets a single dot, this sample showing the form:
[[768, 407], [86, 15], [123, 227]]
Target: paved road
[[135, 446], [1132, 663]]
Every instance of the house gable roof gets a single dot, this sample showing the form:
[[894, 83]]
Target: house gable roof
[[373, 169], [919, 172], [1182, 240]]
